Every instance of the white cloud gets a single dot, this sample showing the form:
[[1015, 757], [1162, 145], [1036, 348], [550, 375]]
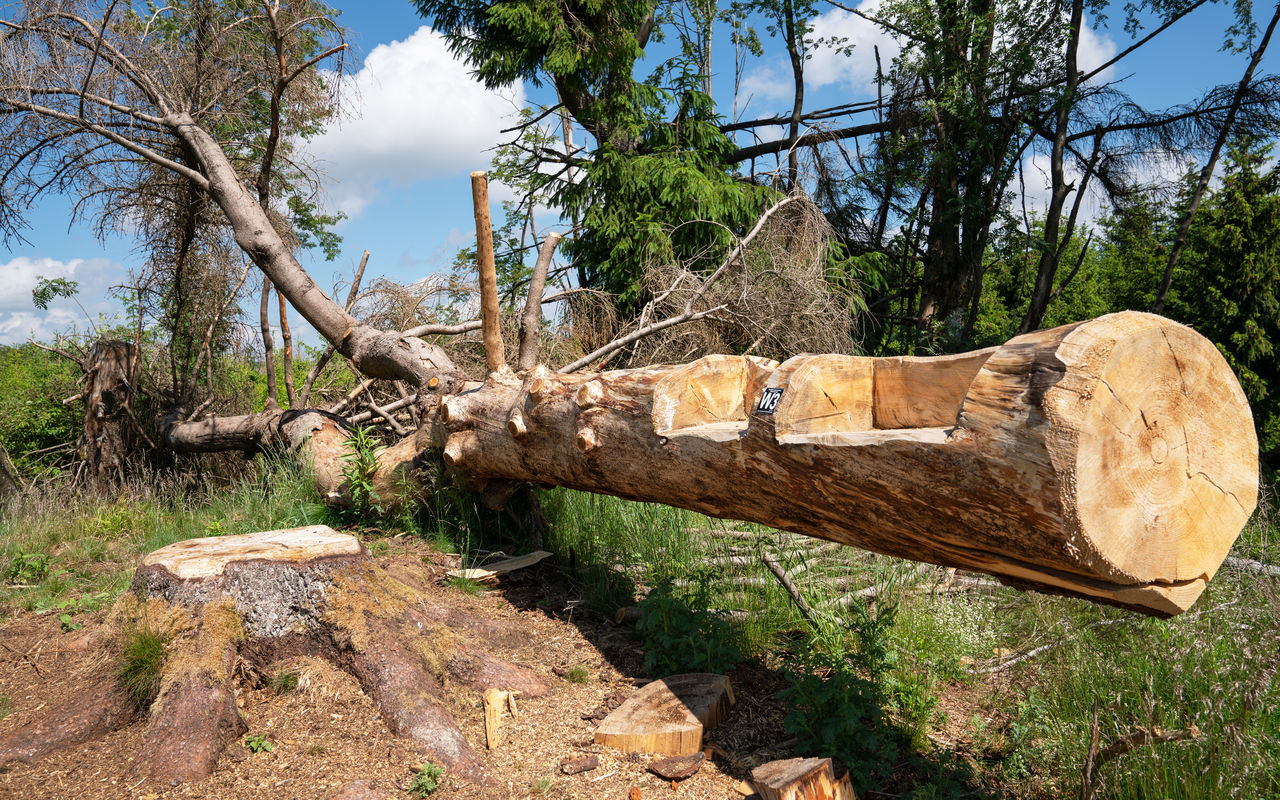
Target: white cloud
[[765, 83], [20, 319], [417, 114], [1095, 50], [855, 68]]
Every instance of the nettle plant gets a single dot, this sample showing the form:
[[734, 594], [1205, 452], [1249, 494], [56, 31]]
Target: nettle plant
[[360, 465]]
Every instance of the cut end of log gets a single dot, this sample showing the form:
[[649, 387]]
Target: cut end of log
[[516, 425], [587, 440], [1166, 467]]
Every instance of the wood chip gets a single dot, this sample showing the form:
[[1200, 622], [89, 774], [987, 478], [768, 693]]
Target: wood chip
[[573, 766]]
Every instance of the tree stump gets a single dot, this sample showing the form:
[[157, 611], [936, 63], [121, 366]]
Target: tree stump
[[233, 605]]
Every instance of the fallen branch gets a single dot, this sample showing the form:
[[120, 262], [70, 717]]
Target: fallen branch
[[1142, 737], [688, 314], [365, 416], [1249, 565], [792, 589], [387, 415], [329, 350]]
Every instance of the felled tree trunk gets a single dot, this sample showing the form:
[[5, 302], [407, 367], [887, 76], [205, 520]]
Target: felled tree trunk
[[235, 604], [1113, 459], [111, 379]]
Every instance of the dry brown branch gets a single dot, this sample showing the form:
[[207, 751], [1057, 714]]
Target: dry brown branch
[[1141, 737], [365, 416], [325, 356], [791, 588], [770, 296], [388, 416], [529, 321]]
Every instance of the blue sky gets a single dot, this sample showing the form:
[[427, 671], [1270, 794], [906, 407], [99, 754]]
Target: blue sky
[[417, 125]]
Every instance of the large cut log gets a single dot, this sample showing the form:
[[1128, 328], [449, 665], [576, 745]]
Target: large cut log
[[1113, 459]]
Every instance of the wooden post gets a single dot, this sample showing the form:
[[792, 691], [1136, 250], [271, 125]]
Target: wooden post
[[533, 305], [495, 358]]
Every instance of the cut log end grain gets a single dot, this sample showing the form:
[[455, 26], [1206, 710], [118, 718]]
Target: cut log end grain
[[668, 716], [801, 779]]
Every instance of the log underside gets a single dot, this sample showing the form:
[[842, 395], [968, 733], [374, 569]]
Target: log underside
[[235, 605], [1113, 459]]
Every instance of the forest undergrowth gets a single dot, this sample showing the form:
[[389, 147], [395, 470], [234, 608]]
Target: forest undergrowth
[[925, 683]]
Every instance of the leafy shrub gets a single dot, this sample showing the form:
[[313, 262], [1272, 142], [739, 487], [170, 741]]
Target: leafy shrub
[[360, 465], [838, 696], [32, 382], [427, 780], [27, 568], [682, 634], [142, 663]]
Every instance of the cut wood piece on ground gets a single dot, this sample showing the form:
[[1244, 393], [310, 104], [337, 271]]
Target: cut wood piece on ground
[[668, 716], [499, 567], [573, 766], [495, 700], [678, 768], [801, 779]]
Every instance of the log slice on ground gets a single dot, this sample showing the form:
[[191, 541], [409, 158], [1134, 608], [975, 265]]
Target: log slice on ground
[[800, 779], [668, 716]]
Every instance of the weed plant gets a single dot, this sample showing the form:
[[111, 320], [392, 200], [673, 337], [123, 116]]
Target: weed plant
[[143, 654], [259, 743], [682, 634], [284, 681], [425, 783]]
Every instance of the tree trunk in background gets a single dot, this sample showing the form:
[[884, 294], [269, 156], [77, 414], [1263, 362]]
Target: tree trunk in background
[[110, 429]]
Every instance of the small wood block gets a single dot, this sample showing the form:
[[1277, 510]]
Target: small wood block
[[668, 716], [677, 768], [575, 765], [499, 567], [494, 701], [800, 779]]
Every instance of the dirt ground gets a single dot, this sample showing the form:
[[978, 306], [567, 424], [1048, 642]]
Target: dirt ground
[[329, 741]]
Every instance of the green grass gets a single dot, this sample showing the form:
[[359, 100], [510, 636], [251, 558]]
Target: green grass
[[464, 585], [1025, 729], [578, 673], [284, 681], [143, 653]]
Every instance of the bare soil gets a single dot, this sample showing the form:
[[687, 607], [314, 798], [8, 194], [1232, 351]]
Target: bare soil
[[327, 736]]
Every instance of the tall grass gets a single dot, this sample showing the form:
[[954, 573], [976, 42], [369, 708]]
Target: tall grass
[[90, 545]]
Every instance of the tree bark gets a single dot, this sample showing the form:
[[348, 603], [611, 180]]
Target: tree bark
[[1113, 459], [110, 430]]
